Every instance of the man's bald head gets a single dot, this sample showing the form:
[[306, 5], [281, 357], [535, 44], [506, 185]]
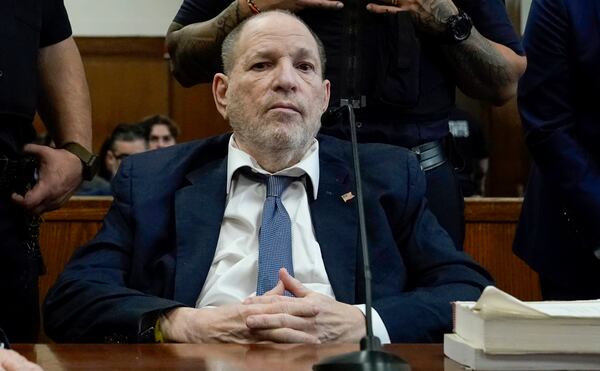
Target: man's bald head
[[229, 53]]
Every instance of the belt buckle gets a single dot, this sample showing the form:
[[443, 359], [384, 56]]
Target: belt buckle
[[355, 102], [417, 151]]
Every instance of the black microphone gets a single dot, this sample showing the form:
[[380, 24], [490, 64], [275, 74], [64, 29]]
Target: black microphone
[[370, 357]]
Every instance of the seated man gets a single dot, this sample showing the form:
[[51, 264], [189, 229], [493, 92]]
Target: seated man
[[190, 229]]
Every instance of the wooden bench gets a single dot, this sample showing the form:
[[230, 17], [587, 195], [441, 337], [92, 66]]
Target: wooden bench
[[490, 228]]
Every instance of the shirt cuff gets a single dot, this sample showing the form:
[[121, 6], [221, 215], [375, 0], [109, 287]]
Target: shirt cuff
[[379, 328]]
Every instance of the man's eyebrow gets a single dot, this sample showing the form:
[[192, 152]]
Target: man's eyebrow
[[306, 53], [263, 53], [300, 53]]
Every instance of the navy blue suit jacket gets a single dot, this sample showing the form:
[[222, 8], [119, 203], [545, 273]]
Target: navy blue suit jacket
[[560, 221], [159, 237]]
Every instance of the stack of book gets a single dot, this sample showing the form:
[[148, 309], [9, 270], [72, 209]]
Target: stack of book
[[500, 332]]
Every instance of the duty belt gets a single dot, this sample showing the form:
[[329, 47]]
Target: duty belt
[[17, 175], [430, 154]]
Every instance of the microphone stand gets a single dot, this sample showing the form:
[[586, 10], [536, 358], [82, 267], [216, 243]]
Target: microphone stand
[[370, 357]]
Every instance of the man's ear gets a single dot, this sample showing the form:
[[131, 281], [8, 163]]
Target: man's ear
[[219, 89], [327, 91]]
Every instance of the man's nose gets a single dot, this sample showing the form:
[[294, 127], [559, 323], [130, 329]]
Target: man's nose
[[286, 77]]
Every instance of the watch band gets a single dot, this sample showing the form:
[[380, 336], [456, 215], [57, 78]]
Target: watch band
[[88, 159]]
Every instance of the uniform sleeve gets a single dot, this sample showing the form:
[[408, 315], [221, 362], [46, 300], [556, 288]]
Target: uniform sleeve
[[55, 23], [194, 11], [491, 20]]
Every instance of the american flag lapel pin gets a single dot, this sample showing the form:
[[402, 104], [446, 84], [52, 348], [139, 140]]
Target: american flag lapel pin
[[347, 196]]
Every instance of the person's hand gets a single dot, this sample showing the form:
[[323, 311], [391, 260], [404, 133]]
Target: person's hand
[[429, 14], [59, 175], [296, 5], [227, 324], [334, 322], [13, 361]]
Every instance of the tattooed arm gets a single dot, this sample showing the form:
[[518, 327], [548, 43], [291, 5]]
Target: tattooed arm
[[195, 49], [483, 69]]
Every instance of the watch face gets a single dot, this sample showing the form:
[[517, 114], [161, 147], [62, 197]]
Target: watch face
[[459, 27], [462, 29]]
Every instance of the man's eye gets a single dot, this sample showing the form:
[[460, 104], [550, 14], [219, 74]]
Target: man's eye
[[260, 66], [306, 67]]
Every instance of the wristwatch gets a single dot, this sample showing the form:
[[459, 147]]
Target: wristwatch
[[89, 161], [458, 28]]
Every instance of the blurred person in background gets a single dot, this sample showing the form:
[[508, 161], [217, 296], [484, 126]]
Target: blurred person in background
[[160, 131], [125, 140]]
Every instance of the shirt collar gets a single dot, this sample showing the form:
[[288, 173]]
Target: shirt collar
[[309, 165]]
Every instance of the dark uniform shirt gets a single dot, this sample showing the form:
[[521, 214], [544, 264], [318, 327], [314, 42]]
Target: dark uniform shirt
[[408, 86], [25, 27]]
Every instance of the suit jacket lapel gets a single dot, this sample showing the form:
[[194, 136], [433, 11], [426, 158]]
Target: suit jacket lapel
[[335, 224], [199, 210]]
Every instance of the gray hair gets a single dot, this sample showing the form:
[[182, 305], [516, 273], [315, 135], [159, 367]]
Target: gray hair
[[229, 44]]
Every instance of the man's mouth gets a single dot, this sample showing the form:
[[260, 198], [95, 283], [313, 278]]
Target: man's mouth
[[286, 107]]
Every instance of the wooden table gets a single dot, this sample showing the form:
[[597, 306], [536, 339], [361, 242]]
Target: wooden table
[[421, 357]]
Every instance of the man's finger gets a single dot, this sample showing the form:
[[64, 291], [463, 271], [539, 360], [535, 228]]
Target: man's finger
[[32, 199], [326, 4], [264, 299], [35, 149], [285, 335], [279, 289], [292, 285], [376, 8], [295, 308], [280, 320]]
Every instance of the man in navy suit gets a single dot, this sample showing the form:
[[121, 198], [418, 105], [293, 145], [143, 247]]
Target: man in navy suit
[[559, 229], [176, 258]]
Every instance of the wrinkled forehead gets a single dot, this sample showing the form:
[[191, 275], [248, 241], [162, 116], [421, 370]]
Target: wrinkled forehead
[[276, 31]]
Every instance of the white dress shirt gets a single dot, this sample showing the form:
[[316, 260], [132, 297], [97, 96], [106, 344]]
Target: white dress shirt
[[233, 273]]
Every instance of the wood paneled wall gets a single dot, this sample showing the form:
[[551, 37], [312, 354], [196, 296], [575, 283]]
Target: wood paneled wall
[[490, 229], [129, 78], [489, 234]]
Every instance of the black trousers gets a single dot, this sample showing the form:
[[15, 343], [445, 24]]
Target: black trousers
[[446, 202], [19, 270]]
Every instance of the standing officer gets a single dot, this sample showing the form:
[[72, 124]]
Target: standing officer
[[40, 67]]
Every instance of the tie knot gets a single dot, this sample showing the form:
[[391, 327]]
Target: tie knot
[[276, 184]]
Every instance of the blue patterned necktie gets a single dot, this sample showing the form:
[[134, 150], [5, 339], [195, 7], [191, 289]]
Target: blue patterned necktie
[[275, 235]]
